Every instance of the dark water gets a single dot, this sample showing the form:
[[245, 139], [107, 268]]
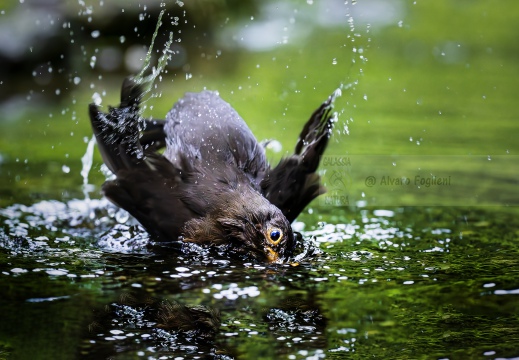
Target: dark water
[[398, 283], [386, 270]]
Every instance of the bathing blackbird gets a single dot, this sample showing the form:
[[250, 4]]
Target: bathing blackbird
[[212, 184]]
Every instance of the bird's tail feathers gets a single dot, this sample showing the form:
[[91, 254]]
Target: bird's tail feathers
[[294, 183], [317, 129]]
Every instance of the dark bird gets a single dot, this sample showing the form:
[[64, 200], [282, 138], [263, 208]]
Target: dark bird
[[212, 184]]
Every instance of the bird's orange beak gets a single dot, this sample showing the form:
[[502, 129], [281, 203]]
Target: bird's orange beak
[[272, 256]]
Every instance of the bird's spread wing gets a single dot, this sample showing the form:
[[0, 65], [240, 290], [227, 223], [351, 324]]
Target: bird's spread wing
[[147, 185], [293, 183]]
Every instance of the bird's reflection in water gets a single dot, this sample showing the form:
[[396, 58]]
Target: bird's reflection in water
[[163, 328], [138, 323], [295, 314]]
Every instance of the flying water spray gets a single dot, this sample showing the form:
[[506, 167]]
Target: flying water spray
[[146, 82]]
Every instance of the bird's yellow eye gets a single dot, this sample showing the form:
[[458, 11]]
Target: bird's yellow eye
[[274, 235]]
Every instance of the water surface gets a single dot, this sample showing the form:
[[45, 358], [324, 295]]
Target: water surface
[[382, 276]]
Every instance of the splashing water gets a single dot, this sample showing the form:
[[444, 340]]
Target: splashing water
[[148, 80], [87, 161], [141, 79]]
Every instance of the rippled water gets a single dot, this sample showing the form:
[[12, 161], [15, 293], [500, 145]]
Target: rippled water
[[395, 282], [433, 91]]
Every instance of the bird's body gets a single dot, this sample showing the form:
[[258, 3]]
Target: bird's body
[[213, 183]]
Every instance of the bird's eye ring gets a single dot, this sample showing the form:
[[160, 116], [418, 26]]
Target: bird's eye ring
[[274, 235]]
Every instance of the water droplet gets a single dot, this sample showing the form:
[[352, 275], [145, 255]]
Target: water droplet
[[93, 61], [77, 80], [96, 98], [334, 61], [122, 39], [122, 216], [274, 145], [65, 169], [95, 34]]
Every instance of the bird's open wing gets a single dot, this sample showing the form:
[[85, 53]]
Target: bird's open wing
[[293, 183], [147, 185]]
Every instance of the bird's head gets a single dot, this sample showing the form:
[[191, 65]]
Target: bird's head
[[262, 233], [248, 226]]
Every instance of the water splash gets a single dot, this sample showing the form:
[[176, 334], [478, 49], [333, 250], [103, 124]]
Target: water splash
[[87, 161], [147, 83], [147, 80]]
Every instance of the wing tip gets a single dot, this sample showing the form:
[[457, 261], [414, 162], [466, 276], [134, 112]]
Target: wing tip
[[131, 92]]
